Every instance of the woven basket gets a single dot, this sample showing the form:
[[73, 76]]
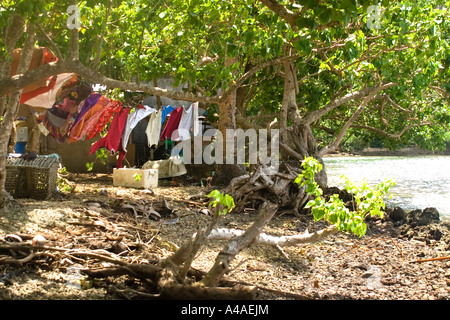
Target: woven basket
[[31, 179]]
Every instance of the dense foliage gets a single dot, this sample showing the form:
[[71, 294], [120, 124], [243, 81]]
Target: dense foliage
[[209, 46]]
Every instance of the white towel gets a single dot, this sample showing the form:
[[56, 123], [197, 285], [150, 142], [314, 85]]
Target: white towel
[[153, 129]]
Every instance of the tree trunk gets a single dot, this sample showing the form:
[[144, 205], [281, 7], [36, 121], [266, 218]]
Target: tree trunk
[[12, 109], [289, 101], [226, 256], [225, 172], [34, 137]]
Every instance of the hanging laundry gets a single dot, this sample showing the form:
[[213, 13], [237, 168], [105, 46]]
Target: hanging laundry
[[165, 112], [59, 119], [94, 120], [88, 104], [59, 128], [172, 123], [153, 129], [120, 158], [140, 113], [48, 99], [40, 56], [112, 139], [184, 127], [78, 92]]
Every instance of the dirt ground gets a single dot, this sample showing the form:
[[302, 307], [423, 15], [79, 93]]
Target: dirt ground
[[389, 263]]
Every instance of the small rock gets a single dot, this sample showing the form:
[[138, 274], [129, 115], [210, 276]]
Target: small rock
[[38, 240], [367, 274], [436, 234], [397, 214]]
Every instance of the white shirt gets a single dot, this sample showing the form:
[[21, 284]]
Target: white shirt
[[132, 121], [185, 124]]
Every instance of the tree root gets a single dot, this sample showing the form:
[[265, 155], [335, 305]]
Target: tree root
[[163, 279], [263, 185]]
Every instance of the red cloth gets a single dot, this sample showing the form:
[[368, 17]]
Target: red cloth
[[172, 123], [112, 139], [94, 120], [40, 56]]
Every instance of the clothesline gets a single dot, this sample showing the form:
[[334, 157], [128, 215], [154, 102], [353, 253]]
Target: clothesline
[[178, 127], [74, 113]]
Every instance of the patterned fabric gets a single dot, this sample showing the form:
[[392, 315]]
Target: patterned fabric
[[48, 99], [87, 105], [58, 127], [94, 120], [40, 56]]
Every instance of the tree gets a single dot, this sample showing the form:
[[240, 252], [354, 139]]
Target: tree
[[319, 68], [350, 76]]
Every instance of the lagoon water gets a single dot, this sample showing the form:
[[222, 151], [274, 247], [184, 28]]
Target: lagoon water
[[421, 182]]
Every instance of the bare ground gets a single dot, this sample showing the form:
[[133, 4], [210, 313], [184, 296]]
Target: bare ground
[[389, 263]]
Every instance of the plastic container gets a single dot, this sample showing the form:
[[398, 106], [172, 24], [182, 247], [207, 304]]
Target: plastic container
[[135, 178]]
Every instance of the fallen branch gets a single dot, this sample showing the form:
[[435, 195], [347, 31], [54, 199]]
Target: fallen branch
[[283, 241]]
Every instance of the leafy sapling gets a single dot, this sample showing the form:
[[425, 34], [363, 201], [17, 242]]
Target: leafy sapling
[[368, 201], [221, 203]]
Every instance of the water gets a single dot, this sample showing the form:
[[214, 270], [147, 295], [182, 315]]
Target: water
[[421, 182]]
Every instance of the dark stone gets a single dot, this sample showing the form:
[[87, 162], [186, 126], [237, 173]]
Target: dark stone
[[423, 217], [429, 215], [436, 234], [413, 217], [397, 214]]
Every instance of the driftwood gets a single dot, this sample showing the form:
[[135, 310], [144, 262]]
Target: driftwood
[[283, 241], [163, 280], [265, 185]]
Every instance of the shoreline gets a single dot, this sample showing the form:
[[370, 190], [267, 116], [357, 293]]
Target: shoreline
[[380, 152]]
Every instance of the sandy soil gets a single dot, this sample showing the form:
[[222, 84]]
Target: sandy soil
[[143, 226]]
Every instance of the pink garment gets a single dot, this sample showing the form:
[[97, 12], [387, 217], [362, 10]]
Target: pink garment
[[172, 123], [112, 139], [94, 120]]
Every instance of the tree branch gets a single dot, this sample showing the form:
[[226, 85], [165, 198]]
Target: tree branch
[[50, 41], [332, 146], [74, 49], [283, 241], [224, 258], [317, 114], [393, 103], [259, 67], [284, 13], [396, 136], [75, 66]]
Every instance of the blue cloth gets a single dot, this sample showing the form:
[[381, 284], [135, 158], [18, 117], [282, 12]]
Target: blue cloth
[[20, 147], [165, 112]]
